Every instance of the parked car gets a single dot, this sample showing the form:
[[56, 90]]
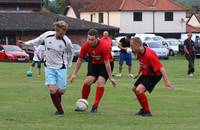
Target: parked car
[[13, 53], [173, 46], [159, 49], [77, 49], [197, 48], [115, 49]]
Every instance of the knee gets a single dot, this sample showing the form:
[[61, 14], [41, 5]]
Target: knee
[[52, 90], [61, 91], [88, 82], [134, 89]]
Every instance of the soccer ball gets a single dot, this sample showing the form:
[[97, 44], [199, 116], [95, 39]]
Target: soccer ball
[[81, 105], [129, 50], [29, 73]]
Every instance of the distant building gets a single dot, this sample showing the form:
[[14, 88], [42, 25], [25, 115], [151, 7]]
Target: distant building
[[164, 17], [27, 22]]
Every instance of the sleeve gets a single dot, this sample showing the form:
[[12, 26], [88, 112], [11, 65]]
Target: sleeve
[[39, 40], [70, 51], [83, 51], [155, 63]]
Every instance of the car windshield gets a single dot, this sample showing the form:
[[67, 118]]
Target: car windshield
[[12, 48], [76, 47], [173, 43], [158, 38], [154, 45], [114, 43]]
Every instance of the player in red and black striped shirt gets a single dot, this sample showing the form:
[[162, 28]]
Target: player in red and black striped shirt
[[99, 68], [150, 73]]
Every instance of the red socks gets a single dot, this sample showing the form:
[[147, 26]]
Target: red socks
[[85, 91], [143, 102], [99, 94], [56, 99]]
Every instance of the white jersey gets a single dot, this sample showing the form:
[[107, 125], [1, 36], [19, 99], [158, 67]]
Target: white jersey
[[39, 53], [58, 52]]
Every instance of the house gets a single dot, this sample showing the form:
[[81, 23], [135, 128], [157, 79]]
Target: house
[[194, 20], [73, 10], [164, 17], [25, 23]]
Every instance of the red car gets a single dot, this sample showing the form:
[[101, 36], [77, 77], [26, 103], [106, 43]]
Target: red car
[[13, 53]]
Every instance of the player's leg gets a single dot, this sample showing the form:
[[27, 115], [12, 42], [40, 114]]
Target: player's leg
[[99, 93], [32, 65], [51, 79], [121, 62], [39, 68], [89, 80], [129, 64], [61, 84], [140, 93]]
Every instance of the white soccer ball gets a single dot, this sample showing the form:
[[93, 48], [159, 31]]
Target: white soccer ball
[[81, 105], [129, 50]]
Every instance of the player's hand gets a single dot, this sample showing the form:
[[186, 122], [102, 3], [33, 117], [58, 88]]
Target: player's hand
[[168, 84], [72, 78], [114, 83], [135, 77]]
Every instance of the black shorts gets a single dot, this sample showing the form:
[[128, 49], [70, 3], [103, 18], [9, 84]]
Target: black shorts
[[38, 64], [149, 82], [97, 70]]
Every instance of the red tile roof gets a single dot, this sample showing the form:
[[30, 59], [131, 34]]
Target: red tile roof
[[193, 29], [131, 5]]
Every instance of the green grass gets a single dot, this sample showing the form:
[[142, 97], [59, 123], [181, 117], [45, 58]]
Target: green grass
[[25, 103]]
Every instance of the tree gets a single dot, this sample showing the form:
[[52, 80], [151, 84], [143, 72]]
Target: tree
[[56, 6]]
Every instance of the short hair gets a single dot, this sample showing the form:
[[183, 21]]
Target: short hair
[[137, 40], [128, 36], [61, 24], [93, 32]]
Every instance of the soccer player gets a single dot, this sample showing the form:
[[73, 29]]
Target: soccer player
[[37, 58], [124, 44], [58, 57], [98, 71], [150, 73], [190, 54]]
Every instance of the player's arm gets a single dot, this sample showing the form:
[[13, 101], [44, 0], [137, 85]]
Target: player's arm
[[185, 49], [76, 70], [109, 72], [78, 63], [121, 47], [168, 84], [70, 51], [139, 73], [39, 40], [106, 54]]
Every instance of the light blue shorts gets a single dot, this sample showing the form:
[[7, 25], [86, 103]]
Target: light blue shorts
[[56, 77]]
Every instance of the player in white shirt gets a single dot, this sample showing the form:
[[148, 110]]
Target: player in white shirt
[[38, 58], [58, 57]]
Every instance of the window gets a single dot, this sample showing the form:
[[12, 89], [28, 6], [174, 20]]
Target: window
[[137, 16], [169, 16], [100, 17], [91, 17]]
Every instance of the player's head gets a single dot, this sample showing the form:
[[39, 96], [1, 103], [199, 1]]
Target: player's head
[[60, 28], [105, 34], [128, 37], [92, 37], [189, 35], [136, 44]]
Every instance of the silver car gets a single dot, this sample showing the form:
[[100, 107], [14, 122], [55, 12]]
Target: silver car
[[159, 49]]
